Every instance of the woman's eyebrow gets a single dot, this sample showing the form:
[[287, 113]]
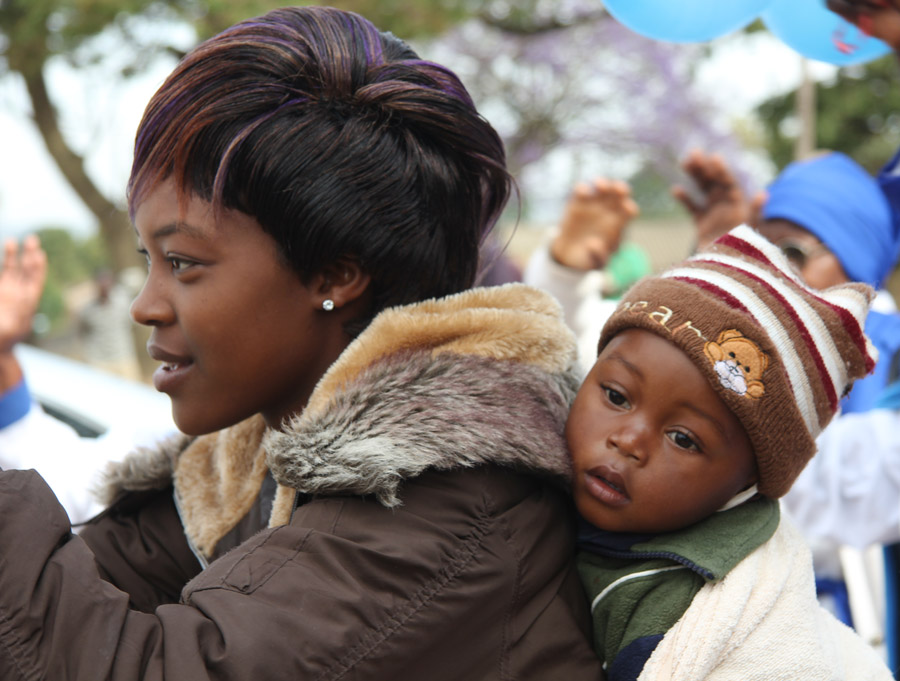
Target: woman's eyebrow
[[181, 228]]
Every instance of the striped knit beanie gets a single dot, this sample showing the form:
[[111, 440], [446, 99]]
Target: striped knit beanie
[[779, 354]]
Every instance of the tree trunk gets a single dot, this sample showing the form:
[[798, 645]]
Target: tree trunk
[[806, 113], [115, 226]]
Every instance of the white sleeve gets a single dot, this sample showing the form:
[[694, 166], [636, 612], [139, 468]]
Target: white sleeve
[[579, 293], [850, 492], [69, 463]]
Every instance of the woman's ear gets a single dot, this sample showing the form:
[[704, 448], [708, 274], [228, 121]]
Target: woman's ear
[[343, 282]]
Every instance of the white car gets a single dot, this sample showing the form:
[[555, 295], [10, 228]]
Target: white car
[[91, 401], [89, 418]]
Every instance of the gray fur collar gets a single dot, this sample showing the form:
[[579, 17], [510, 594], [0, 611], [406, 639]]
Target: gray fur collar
[[145, 468], [412, 412], [484, 376]]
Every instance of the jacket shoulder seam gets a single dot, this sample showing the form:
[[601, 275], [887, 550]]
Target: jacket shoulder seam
[[513, 602]]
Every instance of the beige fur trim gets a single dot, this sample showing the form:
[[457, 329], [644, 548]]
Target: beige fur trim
[[511, 322], [218, 479], [282, 507]]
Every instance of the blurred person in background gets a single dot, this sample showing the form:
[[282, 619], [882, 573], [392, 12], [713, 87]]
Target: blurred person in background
[[21, 283], [31, 438], [106, 330], [587, 264]]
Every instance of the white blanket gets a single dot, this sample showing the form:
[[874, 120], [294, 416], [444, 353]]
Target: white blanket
[[762, 622]]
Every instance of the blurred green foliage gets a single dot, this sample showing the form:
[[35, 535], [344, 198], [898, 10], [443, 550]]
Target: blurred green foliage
[[70, 260], [33, 30], [857, 113]]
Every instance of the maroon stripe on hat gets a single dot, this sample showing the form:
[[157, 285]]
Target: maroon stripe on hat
[[745, 248], [848, 321], [726, 297], [808, 340]]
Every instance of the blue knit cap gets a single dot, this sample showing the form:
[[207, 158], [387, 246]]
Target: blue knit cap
[[836, 200], [889, 180]]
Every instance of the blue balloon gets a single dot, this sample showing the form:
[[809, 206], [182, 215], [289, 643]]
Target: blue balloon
[[685, 21], [814, 31]]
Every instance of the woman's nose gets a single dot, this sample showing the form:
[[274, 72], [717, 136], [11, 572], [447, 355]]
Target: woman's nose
[[150, 307]]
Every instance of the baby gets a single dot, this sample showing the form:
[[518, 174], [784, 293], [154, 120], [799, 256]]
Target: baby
[[712, 382]]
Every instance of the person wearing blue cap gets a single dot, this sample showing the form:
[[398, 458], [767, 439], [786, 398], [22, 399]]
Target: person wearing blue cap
[[835, 223], [832, 219], [881, 19]]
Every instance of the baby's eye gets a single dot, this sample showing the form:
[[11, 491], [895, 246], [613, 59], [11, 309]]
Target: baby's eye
[[146, 256], [683, 440], [616, 397]]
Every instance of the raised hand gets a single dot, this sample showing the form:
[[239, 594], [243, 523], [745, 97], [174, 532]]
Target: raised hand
[[21, 284], [592, 224], [721, 204], [879, 18]]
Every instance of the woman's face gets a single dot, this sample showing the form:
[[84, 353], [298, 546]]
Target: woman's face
[[236, 330]]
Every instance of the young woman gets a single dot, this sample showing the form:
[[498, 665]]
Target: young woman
[[369, 486]]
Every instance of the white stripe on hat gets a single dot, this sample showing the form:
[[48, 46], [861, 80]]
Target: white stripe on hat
[[821, 337], [847, 298], [781, 338], [772, 252], [857, 304]]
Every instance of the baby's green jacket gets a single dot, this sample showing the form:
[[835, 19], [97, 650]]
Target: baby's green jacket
[[641, 585]]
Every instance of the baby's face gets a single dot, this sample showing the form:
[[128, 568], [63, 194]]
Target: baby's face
[[654, 448]]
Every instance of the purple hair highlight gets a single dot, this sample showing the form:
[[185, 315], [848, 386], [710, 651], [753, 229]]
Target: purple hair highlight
[[339, 140]]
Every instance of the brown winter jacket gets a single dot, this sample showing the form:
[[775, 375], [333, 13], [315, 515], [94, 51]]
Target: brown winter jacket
[[420, 529]]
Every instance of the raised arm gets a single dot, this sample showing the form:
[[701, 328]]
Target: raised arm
[[21, 284], [717, 203]]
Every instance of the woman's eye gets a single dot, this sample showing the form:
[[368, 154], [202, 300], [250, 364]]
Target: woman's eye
[[178, 264], [616, 397], [684, 441]]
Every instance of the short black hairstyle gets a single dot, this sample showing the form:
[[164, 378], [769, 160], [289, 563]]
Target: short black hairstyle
[[339, 141]]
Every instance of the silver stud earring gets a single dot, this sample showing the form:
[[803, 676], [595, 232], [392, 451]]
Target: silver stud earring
[[328, 305]]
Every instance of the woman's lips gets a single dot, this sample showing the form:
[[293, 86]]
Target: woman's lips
[[173, 371], [168, 377], [606, 485]]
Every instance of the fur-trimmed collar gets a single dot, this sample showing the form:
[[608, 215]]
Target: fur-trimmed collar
[[484, 376]]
